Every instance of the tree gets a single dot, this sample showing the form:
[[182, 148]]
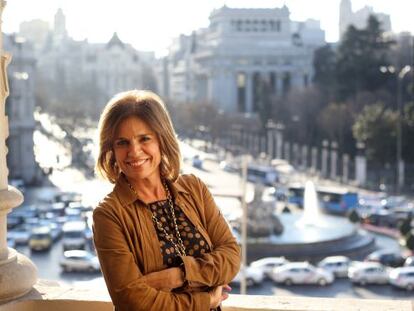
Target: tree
[[409, 240], [408, 133], [324, 64], [335, 122], [360, 56], [376, 127], [405, 226], [303, 108]]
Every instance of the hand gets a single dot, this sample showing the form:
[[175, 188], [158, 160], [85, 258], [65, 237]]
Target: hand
[[218, 294], [167, 279]]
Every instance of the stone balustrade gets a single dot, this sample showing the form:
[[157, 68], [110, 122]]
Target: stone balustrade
[[48, 296]]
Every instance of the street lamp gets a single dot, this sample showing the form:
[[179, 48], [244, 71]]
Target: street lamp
[[400, 164]]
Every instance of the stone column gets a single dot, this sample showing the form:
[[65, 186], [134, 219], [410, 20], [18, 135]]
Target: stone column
[[295, 154], [287, 151], [314, 159], [270, 142], [334, 159], [249, 92], [304, 154], [17, 273], [279, 142], [345, 168], [360, 165], [263, 141], [324, 162]]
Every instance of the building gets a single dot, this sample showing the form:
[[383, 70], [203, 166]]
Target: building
[[359, 18], [37, 30], [20, 107], [97, 70], [241, 60]]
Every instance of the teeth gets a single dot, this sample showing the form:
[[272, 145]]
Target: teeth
[[137, 163]]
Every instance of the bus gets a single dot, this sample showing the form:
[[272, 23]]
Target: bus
[[295, 194], [336, 200], [262, 174]]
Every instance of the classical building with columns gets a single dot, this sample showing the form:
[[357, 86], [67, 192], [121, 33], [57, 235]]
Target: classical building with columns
[[243, 58]]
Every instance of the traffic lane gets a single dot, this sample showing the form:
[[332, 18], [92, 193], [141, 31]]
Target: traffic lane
[[340, 288], [48, 266]]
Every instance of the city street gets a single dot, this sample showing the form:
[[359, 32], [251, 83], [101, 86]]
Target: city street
[[48, 265], [226, 188], [48, 262]]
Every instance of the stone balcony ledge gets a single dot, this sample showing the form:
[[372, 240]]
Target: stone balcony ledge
[[49, 295]]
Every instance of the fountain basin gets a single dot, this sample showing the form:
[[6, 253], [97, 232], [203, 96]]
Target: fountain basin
[[333, 235]]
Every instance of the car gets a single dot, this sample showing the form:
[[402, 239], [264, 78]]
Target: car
[[267, 264], [338, 265], [368, 273], [20, 234], [254, 276], [402, 278], [409, 261], [301, 273], [40, 239], [389, 258], [11, 242], [79, 260], [197, 162], [74, 235]]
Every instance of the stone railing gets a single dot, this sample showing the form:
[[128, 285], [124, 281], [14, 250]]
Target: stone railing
[[49, 296]]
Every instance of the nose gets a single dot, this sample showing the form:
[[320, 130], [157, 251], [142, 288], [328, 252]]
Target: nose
[[135, 148]]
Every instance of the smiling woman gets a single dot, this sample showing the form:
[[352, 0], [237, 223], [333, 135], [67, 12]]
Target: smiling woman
[[160, 238]]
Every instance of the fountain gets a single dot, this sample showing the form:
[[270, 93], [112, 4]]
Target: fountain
[[311, 235]]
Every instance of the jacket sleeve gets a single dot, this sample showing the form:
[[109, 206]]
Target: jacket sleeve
[[123, 278], [222, 264]]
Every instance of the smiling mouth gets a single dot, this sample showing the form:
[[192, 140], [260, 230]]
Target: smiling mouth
[[136, 164]]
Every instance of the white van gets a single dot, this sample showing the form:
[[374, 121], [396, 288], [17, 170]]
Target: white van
[[74, 235]]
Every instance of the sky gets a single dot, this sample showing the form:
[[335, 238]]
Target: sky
[[150, 25]]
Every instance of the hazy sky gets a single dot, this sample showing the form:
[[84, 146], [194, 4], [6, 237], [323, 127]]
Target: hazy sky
[[150, 24]]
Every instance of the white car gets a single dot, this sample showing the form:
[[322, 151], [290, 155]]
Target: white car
[[79, 260], [368, 273], [402, 278], [338, 265], [254, 276], [20, 234], [301, 273], [267, 264]]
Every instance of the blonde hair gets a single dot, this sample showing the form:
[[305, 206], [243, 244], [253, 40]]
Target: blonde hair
[[150, 108]]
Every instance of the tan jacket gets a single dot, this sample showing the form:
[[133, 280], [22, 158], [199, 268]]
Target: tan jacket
[[128, 247]]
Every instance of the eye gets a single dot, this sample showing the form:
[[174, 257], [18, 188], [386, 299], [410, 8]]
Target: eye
[[144, 139], [121, 143]]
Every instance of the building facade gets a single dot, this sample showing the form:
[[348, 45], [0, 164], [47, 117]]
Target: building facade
[[99, 70], [359, 18], [20, 107], [243, 59]]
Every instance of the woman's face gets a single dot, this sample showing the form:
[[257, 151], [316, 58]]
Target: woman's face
[[137, 150]]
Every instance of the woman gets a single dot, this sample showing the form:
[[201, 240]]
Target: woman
[[161, 240]]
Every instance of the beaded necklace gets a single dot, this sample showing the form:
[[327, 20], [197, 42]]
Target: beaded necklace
[[179, 247]]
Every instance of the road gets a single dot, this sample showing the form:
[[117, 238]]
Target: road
[[67, 178], [48, 262]]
